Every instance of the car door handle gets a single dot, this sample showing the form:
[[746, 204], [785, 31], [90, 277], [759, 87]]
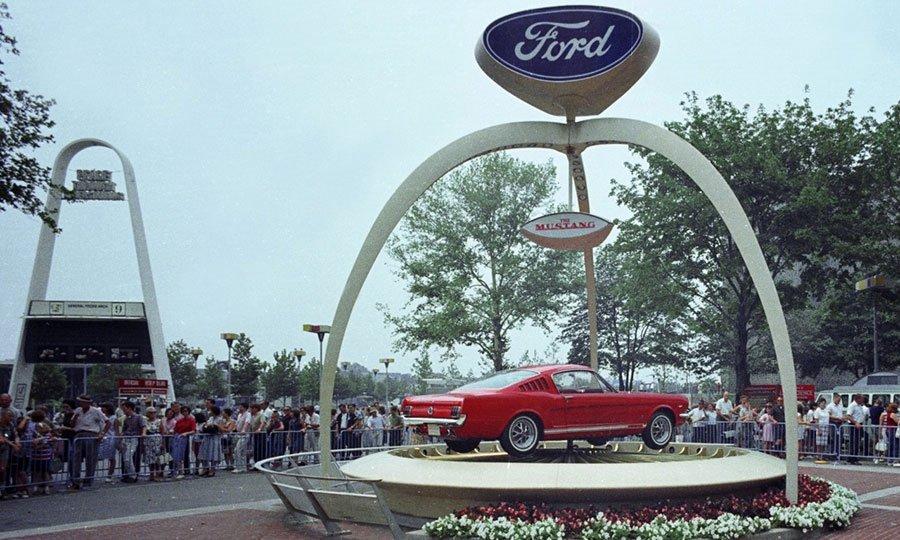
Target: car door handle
[[567, 398]]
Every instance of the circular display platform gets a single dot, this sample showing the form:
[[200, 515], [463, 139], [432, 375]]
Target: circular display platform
[[430, 481]]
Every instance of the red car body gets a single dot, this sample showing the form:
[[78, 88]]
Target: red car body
[[563, 410]]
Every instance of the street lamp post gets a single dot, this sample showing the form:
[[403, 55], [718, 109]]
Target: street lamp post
[[387, 362], [875, 282], [298, 356], [320, 330], [196, 352], [229, 338], [374, 377]]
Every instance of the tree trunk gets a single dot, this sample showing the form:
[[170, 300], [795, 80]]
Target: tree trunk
[[741, 369], [497, 352]]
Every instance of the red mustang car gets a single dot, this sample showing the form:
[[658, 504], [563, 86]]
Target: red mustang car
[[522, 407]]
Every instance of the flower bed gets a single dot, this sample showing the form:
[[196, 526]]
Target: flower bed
[[822, 504]]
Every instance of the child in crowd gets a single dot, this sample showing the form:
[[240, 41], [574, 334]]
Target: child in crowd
[[41, 454], [767, 421]]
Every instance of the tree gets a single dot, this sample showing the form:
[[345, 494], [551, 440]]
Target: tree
[[49, 383], [24, 128], [308, 380], [637, 325], [212, 380], [183, 368], [282, 378], [246, 367], [471, 275], [422, 369], [103, 379], [803, 180]]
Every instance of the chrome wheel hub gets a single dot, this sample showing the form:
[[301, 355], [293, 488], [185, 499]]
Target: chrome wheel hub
[[661, 429], [523, 433]]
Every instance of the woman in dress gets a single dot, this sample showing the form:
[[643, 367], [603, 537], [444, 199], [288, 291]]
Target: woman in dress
[[889, 432], [823, 425], [211, 448], [767, 421], [184, 428], [153, 445]]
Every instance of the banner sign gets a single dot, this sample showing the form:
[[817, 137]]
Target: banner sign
[[95, 186], [142, 387], [805, 392], [563, 43], [567, 230], [60, 308]]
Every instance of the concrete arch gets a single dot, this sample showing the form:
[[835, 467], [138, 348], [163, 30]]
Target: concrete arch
[[40, 275], [558, 137]]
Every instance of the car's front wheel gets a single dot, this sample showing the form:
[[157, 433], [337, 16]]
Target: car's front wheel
[[521, 436], [463, 446], [659, 431]]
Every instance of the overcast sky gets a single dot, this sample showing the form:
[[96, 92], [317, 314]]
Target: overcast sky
[[266, 137]]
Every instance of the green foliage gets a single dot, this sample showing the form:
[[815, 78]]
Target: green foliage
[[183, 368], [103, 379], [281, 379], [308, 377], [638, 318], [820, 190], [24, 124], [422, 369], [471, 275], [246, 367], [49, 383], [212, 381]]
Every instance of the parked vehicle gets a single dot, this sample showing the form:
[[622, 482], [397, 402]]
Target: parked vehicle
[[884, 385], [522, 407]]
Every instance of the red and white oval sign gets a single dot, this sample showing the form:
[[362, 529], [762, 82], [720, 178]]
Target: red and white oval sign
[[567, 230]]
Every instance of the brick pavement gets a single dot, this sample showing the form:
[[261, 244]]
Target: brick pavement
[[273, 522]]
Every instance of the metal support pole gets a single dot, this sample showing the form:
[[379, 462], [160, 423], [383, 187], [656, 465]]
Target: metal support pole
[[228, 397], [875, 366]]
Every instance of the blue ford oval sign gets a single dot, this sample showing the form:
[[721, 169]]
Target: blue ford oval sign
[[567, 43]]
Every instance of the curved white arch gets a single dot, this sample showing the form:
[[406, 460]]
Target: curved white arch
[[40, 275], [557, 136]]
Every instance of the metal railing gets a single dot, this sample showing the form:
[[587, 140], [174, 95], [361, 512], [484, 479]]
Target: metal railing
[[85, 462]]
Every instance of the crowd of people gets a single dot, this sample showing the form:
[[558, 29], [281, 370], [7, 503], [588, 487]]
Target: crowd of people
[[825, 430], [85, 441]]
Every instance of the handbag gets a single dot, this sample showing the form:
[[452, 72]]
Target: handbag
[[56, 465], [881, 446]]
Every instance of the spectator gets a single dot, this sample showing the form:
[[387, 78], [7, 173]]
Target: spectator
[[6, 405], [809, 419], [768, 422], [276, 435], [110, 445], [889, 420], [242, 429], [311, 441], [134, 426], [154, 450], [184, 428], [746, 416], [858, 415], [296, 428], [172, 415], [228, 428], [823, 427], [258, 430], [374, 429], [211, 448], [9, 445], [41, 456], [355, 427], [778, 415], [90, 427], [712, 427], [697, 418], [395, 427], [200, 416]]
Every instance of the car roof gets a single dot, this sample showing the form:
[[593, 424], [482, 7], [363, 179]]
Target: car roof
[[555, 368]]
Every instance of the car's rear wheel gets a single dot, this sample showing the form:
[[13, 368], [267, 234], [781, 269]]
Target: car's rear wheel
[[598, 442], [659, 431], [521, 436], [463, 446]]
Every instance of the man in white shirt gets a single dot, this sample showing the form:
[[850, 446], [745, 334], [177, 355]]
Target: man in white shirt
[[836, 416], [90, 426], [857, 414], [724, 408], [697, 419]]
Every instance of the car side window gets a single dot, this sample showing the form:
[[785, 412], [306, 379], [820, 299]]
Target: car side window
[[577, 382]]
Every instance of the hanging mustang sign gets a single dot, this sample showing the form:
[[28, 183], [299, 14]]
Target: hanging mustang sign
[[567, 230], [569, 60]]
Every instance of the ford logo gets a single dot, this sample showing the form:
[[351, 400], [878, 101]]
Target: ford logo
[[566, 43], [430, 411]]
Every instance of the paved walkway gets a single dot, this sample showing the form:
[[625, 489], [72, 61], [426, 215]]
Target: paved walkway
[[244, 507]]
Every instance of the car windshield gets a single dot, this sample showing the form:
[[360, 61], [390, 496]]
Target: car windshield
[[499, 380]]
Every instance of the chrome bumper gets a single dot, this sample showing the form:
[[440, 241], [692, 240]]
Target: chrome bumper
[[436, 421]]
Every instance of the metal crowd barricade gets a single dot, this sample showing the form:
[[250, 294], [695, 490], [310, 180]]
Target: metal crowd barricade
[[87, 462]]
